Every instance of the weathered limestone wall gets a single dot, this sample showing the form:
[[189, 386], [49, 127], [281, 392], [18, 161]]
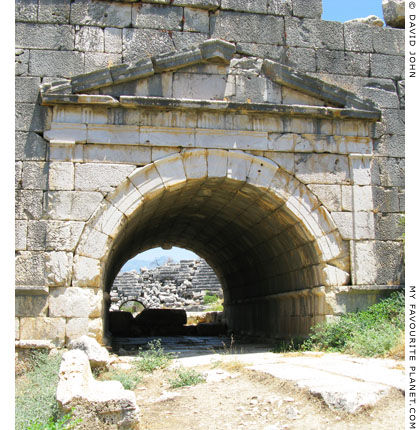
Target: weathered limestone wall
[[60, 186]]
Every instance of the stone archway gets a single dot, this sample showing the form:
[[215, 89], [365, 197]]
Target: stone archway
[[275, 248]]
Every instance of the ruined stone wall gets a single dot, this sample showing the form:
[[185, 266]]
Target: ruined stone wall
[[59, 187], [173, 285]]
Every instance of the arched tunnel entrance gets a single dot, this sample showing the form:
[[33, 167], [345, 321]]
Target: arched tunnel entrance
[[272, 245]]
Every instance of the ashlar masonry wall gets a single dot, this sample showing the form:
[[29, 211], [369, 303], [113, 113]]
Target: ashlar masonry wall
[[275, 150]]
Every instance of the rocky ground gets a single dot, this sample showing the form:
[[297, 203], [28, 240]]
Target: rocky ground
[[234, 397]]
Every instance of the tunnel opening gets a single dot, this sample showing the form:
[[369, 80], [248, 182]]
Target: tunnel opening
[[158, 294], [274, 248]]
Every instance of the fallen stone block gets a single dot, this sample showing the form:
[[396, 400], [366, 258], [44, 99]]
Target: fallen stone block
[[97, 354], [99, 405], [394, 13]]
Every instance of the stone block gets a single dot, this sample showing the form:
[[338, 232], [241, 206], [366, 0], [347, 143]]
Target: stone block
[[21, 228], [30, 117], [285, 161], [387, 66], [365, 262], [74, 302], [184, 40], [29, 146], [401, 93], [226, 139], [217, 49], [262, 50], [72, 205], [388, 41], [196, 20], [197, 86], [171, 170], [21, 62], [159, 85], [41, 328], [90, 38], [17, 329], [94, 244], [302, 59], [358, 37], [343, 63], [307, 8], [91, 80], [100, 177], [392, 146], [314, 34], [118, 153], [108, 219], [138, 43], [76, 327], [390, 258], [176, 59], [202, 4], [54, 11], [394, 13], [101, 60], [63, 235], [61, 176], [240, 27], [391, 172], [279, 7], [362, 198], [28, 204], [389, 226], [86, 272], [113, 40], [393, 121], [26, 89], [322, 169], [37, 235], [31, 306], [162, 136], [18, 174], [30, 268], [385, 199], [26, 10], [35, 175], [127, 199], [58, 267], [56, 63], [328, 195], [244, 6], [101, 14], [358, 225], [57, 37], [360, 170], [157, 17], [124, 72]]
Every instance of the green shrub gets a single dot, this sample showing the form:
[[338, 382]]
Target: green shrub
[[153, 358], [209, 298], [186, 377], [64, 423], [371, 332], [35, 403], [128, 378]]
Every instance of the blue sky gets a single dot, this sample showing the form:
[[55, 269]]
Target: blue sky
[[333, 10], [341, 10]]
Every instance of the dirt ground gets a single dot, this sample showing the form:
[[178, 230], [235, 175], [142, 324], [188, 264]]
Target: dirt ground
[[251, 400]]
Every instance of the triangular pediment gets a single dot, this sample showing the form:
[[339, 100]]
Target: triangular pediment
[[211, 75]]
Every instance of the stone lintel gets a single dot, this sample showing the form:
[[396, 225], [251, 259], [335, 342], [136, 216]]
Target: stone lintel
[[284, 75], [25, 290], [176, 59], [90, 81], [125, 72], [78, 99], [270, 108]]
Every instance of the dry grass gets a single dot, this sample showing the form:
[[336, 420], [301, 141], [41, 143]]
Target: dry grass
[[398, 351], [232, 366]]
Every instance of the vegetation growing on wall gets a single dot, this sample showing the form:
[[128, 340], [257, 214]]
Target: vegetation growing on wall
[[376, 331]]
